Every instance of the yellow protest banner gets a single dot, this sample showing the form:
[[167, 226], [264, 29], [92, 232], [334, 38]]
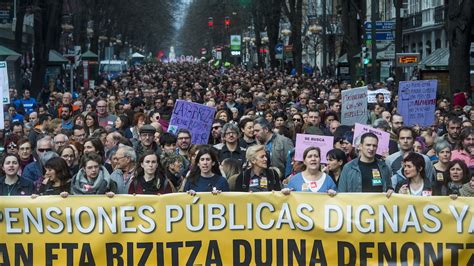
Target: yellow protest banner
[[237, 229]]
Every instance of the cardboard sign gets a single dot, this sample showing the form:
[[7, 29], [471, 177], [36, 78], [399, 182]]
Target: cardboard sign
[[417, 102], [197, 118], [354, 106], [384, 137], [303, 141], [386, 95]]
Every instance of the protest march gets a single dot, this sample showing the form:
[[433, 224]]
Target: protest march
[[188, 163]]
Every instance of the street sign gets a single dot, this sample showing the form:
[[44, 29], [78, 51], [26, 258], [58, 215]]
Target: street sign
[[279, 51], [279, 48], [235, 43], [380, 25], [407, 59], [381, 36]]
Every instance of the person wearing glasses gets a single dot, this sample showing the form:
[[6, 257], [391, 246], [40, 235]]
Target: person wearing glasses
[[106, 120], [230, 148], [216, 132], [146, 141], [34, 170], [69, 154], [125, 169], [10, 144]]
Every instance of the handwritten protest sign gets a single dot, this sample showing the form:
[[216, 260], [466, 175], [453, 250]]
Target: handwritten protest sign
[[303, 141], [4, 82], [384, 137], [386, 95], [417, 102], [197, 118], [354, 106]]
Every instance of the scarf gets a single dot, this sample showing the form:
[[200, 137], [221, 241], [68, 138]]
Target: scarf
[[467, 190], [82, 185]]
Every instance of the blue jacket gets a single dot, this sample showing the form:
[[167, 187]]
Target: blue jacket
[[351, 176], [33, 171]]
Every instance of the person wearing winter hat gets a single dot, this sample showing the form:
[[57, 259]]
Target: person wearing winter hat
[[146, 141]]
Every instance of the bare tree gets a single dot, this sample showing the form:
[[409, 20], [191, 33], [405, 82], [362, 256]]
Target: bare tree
[[293, 10], [352, 14]]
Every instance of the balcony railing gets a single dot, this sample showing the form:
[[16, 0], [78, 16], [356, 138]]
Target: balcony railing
[[439, 14]]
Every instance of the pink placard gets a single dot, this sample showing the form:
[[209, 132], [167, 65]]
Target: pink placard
[[303, 141], [383, 136]]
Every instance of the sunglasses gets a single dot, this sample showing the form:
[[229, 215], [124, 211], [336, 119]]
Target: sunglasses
[[12, 146], [296, 119], [44, 150]]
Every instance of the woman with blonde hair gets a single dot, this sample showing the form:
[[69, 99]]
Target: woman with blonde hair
[[257, 176]]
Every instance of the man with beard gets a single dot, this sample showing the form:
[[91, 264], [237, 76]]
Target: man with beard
[[277, 145], [230, 147], [396, 123], [66, 117], [216, 132], [454, 128], [183, 143], [466, 147]]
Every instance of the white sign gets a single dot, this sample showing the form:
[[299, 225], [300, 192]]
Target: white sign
[[4, 82], [386, 95], [354, 106]]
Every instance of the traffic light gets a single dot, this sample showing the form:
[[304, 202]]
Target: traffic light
[[227, 23], [365, 55], [210, 22]]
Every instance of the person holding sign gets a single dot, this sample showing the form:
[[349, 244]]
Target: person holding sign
[[366, 173], [257, 177], [416, 183], [312, 179], [205, 174]]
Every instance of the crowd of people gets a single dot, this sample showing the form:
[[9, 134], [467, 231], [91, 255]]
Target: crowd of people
[[112, 139]]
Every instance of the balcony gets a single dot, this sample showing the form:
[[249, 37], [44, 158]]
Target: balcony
[[439, 14], [413, 21]]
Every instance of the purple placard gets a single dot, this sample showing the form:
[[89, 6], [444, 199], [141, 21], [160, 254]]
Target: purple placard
[[303, 141], [417, 102], [384, 137], [195, 117]]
